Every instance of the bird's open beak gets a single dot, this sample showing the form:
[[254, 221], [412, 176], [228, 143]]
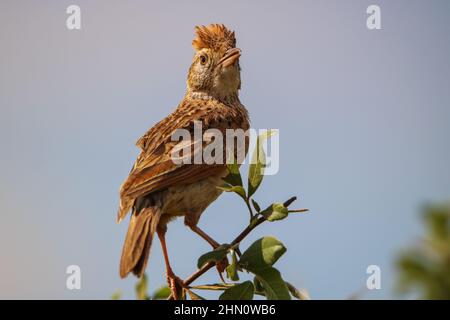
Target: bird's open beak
[[230, 57]]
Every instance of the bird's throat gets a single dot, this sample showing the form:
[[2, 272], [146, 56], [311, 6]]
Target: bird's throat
[[231, 98]]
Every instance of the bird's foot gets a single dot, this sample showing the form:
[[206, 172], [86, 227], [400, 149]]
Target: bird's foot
[[176, 285]]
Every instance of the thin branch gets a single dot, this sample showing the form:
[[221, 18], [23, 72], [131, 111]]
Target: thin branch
[[298, 211], [289, 202], [247, 202], [237, 240]]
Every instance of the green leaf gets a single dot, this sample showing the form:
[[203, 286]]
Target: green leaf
[[257, 163], [242, 291], [258, 285], [232, 273], [116, 295], [213, 256], [162, 293], [215, 286], [276, 211], [234, 176], [262, 253], [141, 288], [256, 206], [258, 259], [273, 284], [424, 267], [237, 189], [296, 293]]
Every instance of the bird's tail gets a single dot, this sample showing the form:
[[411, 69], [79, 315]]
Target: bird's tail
[[138, 241]]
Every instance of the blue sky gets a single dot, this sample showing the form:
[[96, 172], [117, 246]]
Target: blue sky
[[363, 118]]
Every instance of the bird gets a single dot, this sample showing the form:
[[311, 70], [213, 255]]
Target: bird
[[158, 190]]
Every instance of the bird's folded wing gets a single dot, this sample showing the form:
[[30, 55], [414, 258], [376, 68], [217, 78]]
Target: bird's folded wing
[[159, 169], [165, 174]]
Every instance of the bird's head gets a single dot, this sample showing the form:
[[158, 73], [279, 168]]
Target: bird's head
[[215, 67]]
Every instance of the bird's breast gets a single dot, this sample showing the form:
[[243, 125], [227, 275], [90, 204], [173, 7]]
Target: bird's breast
[[193, 198]]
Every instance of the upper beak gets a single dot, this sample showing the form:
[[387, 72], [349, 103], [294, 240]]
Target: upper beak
[[230, 57]]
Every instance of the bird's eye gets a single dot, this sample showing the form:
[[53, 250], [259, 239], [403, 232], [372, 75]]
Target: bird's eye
[[203, 59]]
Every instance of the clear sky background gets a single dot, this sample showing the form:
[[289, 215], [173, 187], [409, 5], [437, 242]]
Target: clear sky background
[[363, 118]]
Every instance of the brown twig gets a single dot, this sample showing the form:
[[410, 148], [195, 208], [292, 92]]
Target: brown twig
[[237, 240]]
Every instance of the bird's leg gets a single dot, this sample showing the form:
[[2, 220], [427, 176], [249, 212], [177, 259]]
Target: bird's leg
[[175, 283], [205, 236], [222, 265]]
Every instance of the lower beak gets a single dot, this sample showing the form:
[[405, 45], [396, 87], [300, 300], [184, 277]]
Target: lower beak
[[230, 57]]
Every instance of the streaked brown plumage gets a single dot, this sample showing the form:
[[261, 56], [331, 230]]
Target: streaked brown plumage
[[158, 190]]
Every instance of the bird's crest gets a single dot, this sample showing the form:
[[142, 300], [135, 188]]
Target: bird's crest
[[215, 37]]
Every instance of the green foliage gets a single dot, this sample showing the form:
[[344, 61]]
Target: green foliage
[[276, 211], [242, 291], [273, 284], [141, 288], [214, 286], [116, 295], [297, 293], [258, 286], [425, 268], [161, 293], [234, 177], [259, 259], [216, 255], [258, 163], [262, 253], [232, 271], [237, 189], [256, 206]]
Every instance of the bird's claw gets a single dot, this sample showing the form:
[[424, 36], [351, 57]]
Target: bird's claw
[[176, 286]]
